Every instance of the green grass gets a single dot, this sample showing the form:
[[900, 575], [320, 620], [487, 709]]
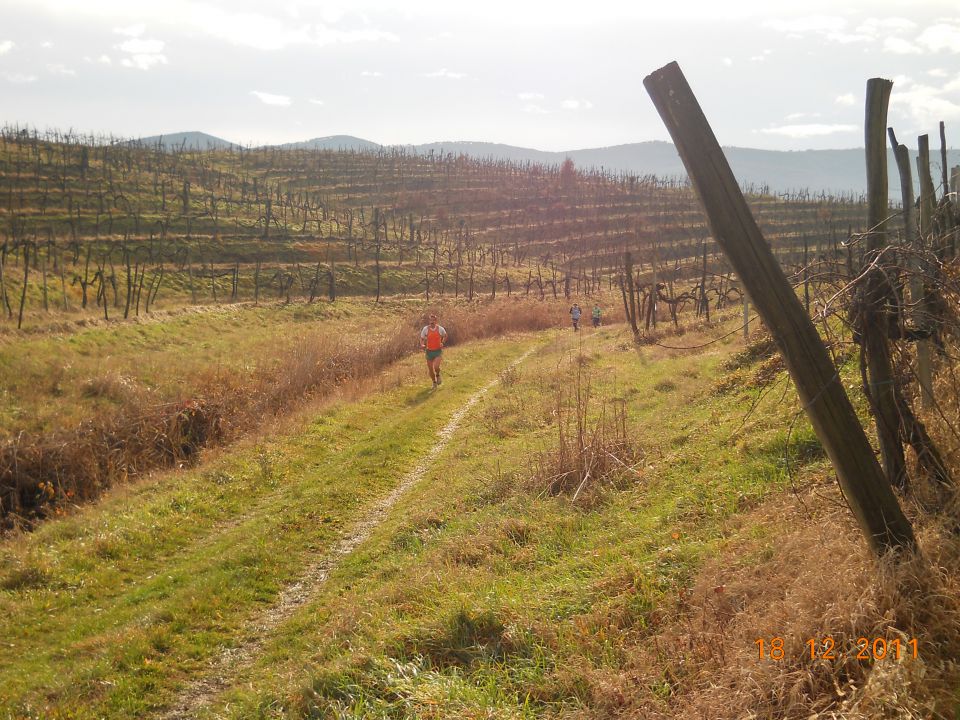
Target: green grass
[[479, 596], [482, 598], [53, 380], [106, 612]]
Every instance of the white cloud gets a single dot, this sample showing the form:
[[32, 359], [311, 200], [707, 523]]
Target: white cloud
[[942, 36], [757, 58], [314, 101], [144, 53], [834, 29], [530, 96], [847, 100], [105, 59], [899, 46], [264, 32], [60, 69], [330, 13], [535, 109], [19, 78], [801, 116], [6, 46], [574, 104], [727, 61], [144, 61], [271, 99], [371, 73], [131, 30], [809, 130], [926, 105], [821, 24], [46, 44], [848, 38], [271, 29], [444, 73], [937, 73], [137, 46], [885, 26]]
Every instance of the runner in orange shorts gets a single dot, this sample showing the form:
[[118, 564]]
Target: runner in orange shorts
[[432, 339]]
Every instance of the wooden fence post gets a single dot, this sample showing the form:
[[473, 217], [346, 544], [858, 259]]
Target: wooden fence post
[[865, 487], [917, 295], [877, 291]]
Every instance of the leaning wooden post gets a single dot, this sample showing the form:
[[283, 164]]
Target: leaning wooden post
[[877, 291], [818, 382], [917, 295]]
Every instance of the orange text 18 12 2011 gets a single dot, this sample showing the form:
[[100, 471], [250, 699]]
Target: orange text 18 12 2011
[[826, 648]]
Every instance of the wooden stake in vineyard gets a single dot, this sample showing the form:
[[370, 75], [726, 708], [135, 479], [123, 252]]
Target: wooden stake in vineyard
[[877, 290], [818, 382], [917, 296]]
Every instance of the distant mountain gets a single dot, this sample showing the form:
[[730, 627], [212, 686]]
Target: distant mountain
[[194, 140], [333, 142], [826, 171]]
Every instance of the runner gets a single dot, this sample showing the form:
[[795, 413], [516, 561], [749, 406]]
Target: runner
[[596, 315], [575, 313], [432, 338]]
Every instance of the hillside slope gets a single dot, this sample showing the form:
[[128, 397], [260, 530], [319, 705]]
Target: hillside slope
[[435, 554]]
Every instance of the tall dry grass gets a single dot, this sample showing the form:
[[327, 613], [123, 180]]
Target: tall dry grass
[[42, 473], [594, 449]]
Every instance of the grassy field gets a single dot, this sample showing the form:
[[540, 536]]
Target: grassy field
[[494, 587], [86, 407], [489, 596], [114, 606]]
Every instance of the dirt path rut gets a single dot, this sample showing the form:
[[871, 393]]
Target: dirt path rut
[[219, 675]]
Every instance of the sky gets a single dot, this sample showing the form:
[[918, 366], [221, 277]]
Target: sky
[[548, 75]]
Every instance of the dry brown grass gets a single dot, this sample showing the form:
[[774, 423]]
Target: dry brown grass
[[594, 450], [42, 473], [808, 576]]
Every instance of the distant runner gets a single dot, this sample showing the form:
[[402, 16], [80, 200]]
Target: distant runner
[[596, 315], [575, 313], [432, 338]]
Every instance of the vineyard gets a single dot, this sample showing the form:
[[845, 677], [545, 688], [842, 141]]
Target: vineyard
[[116, 229], [96, 230]]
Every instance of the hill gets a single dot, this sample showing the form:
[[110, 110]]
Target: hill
[[193, 140], [333, 142], [819, 171], [833, 172]]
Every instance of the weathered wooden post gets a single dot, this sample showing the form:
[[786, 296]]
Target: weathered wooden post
[[877, 291], [917, 296], [928, 195], [948, 205], [818, 382]]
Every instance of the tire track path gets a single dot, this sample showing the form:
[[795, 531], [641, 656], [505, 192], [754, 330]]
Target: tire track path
[[202, 691]]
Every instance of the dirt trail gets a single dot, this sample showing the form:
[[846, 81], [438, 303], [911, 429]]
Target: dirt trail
[[219, 675]]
